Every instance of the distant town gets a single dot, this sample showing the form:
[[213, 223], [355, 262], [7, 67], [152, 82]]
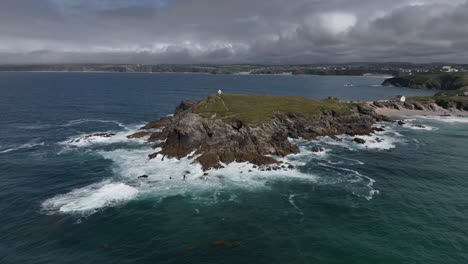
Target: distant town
[[351, 69]]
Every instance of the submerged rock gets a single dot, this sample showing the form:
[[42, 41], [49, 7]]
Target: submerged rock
[[317, 149], [89, 137], [359, 140]]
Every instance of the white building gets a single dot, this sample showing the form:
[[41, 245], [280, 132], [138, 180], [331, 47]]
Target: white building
[[400, 98], [448, 69]]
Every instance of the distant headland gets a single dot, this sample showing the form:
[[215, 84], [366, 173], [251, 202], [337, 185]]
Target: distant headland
[[451, 97]]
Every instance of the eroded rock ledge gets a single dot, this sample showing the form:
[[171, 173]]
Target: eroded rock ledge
[[429, 104], [218, 138]]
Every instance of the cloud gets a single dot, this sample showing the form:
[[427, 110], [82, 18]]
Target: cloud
[[225, 31]]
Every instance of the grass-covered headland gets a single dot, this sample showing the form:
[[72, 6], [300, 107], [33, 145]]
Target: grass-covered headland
[[256, 108]]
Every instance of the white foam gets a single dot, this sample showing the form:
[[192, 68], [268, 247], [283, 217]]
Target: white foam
[[379, 141], [291, 201], [86, 140], [82, 121], [445, 119], [369, 182], [424, 127], [165, 179], [130, 164], [34, 126], [89, 199], [31, 144]]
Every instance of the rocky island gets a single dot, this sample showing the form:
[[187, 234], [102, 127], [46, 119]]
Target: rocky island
[[227, 128]]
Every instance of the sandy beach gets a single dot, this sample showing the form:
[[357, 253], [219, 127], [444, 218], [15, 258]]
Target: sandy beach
[[409, 112]]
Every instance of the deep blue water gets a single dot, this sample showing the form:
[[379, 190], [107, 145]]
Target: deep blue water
[[401, 200]]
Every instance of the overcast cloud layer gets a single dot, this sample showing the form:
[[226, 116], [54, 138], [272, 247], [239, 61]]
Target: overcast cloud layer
[[232, 31]]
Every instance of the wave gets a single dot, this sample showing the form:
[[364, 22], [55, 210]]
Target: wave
[[168, 177], [418, 127], [34, 126], [23, 146], [86, 140], [357, 177], [165, 179], [292, 202], [378, 141], [90, 199], [82, 121], [445, 119]]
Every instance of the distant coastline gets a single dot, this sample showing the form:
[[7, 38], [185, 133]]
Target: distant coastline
[[369, 70]]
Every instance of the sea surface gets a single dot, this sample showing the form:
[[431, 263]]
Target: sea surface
[[400, 198]]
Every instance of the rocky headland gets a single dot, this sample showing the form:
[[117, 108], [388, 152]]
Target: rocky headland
[[434, 81], [227, 128]]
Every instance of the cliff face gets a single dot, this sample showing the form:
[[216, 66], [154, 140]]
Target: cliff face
[[225, 140], [438, 81]]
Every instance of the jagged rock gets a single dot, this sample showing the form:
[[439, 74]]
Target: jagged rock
[[378, 129], [209, 161], [159, 145], [156, 136], [317, 149], [154, 155], [336, 138], [359, 140], [139, 134], [143, 177], [183, 106], [401, 123], [163, 122], [104, 135]]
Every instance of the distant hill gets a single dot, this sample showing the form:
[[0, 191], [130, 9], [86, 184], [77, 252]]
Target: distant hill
[[432, 81]]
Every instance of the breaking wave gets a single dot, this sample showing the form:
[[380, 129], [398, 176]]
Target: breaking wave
[[82, 121], [89, 199], [28, 145], [167, 177], [384, 140], [445, 119]]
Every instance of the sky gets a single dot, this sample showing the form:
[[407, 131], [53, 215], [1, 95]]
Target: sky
[[233, 31]]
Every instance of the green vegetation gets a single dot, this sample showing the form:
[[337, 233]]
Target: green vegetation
[[255, 108], [437, 81], [439, 100]]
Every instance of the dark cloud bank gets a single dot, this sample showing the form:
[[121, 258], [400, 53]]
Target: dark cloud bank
[[228, 31]]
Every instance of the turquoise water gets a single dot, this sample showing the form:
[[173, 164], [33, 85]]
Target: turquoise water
[[400, 200]]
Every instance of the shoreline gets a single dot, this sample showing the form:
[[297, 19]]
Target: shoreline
[[408, 112]]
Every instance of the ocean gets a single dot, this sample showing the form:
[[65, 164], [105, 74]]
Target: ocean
[[399, 198]]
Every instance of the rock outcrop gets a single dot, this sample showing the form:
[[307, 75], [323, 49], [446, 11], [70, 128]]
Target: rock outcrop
[[434, 104], [217, 141]]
